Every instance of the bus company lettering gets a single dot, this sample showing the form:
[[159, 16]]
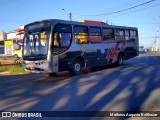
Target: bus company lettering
[[84, 49]]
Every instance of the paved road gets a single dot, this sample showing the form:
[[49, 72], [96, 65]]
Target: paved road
[[134, 86]]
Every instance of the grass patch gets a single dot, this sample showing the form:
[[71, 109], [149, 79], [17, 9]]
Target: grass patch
[[13, 69]]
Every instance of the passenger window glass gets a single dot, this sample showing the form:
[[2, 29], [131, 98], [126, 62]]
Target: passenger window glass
[[62, 36], [119, 35], [127, 35], [133, 35], [81, 35], [108, 35], [94, 35]]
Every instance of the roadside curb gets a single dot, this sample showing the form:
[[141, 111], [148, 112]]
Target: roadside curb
[[5, 73], [6, 62], [9, 73]]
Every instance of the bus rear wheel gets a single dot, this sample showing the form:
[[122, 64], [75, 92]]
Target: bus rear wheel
[[120, 60], [76, 67]]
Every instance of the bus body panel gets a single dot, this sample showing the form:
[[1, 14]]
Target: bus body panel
[[55, 64], [90, 54], [35, 66]]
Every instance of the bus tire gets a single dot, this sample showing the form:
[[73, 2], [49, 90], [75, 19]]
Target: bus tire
[[120, 59], [76, 67]]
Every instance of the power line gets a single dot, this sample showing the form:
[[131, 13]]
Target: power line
[[121, 5], [119, 11], [110, 17], [132, 12], [137, 22], [137, 10], [132, 7]]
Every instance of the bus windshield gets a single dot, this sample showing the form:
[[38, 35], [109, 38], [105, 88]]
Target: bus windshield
[[36, 42]]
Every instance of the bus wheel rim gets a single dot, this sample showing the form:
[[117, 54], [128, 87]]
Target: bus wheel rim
[[120, 60], [77, 67]]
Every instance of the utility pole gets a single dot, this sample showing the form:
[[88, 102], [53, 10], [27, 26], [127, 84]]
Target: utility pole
[[69, 15], [152, 45], [156, 43]]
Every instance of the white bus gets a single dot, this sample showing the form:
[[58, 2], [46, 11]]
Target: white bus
[[53, 45]]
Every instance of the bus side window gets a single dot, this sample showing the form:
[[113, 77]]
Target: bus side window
[[62, 35], [133, 35], [81, 34], [126, 35], [56, 41], [95, 35], [108, 35], [119, 35]]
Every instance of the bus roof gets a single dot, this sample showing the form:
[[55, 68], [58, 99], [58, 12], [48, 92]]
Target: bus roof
[[56, 21]]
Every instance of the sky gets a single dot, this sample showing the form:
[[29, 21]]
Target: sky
[[143, 14]]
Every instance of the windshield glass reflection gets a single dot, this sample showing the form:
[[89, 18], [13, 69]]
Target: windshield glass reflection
[[36, 43]]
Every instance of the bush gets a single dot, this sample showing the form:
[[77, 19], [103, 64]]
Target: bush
[[13, 69]]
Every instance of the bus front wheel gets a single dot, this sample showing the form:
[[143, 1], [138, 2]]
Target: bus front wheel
[[76, 67]]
